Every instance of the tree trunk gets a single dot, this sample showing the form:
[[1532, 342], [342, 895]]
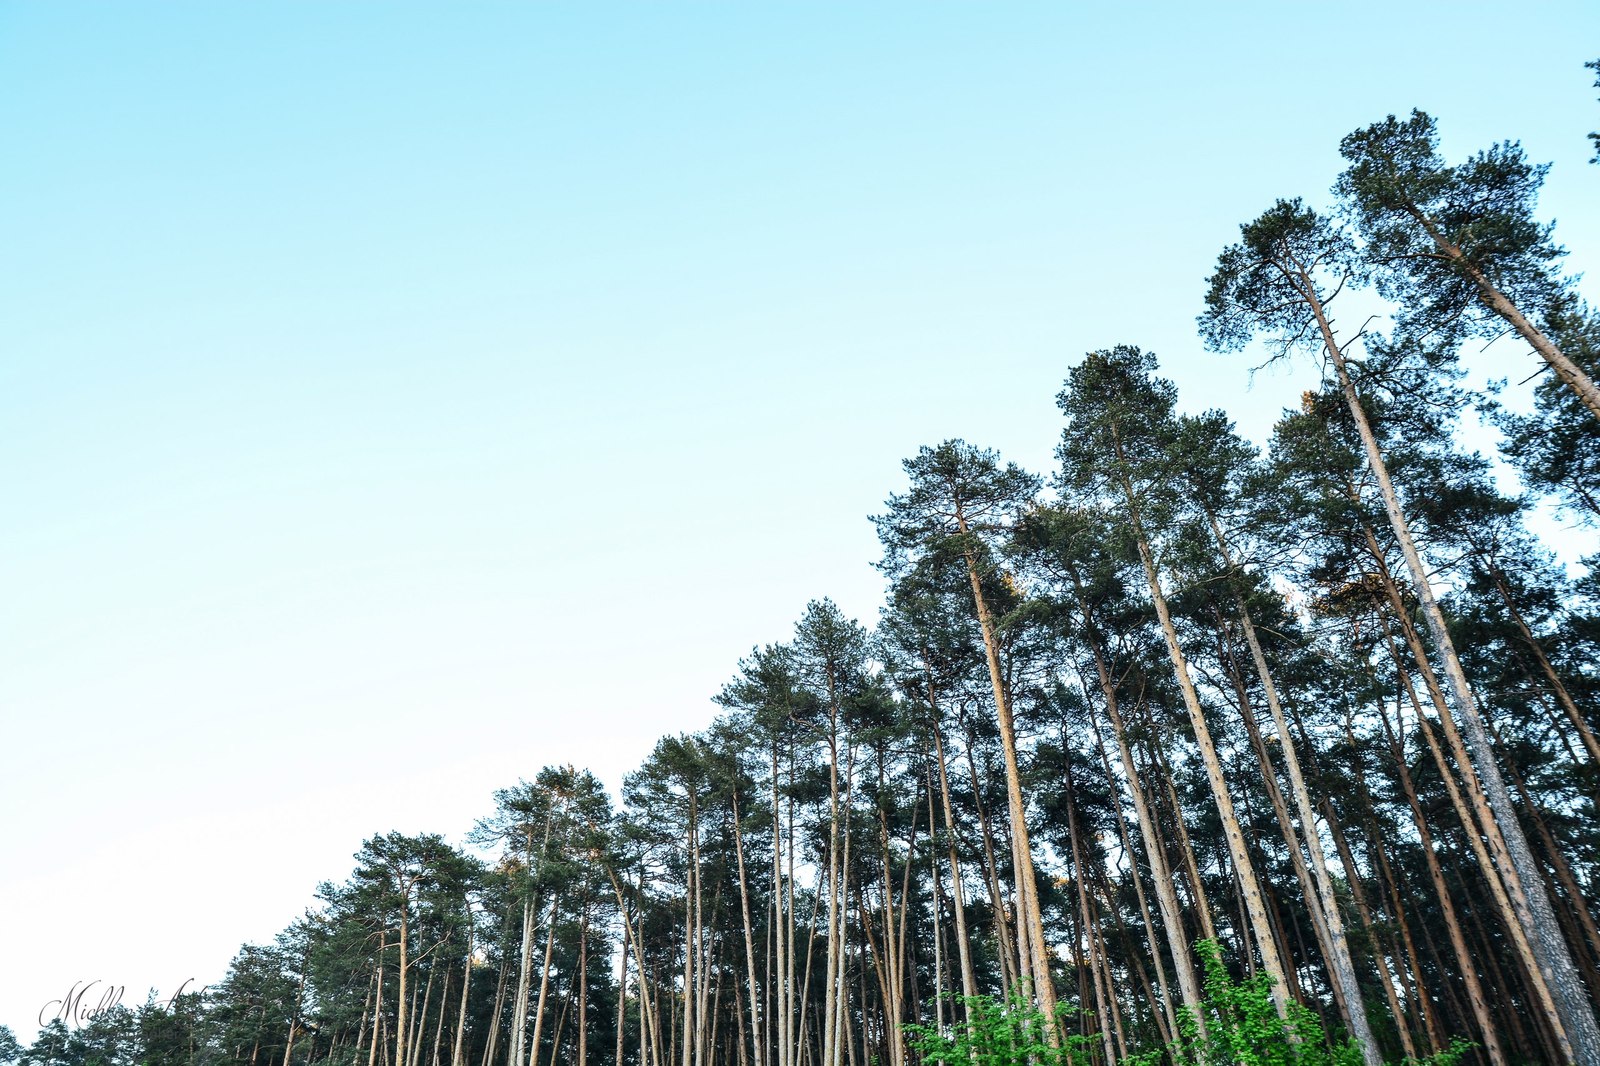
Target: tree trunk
[[1333, 925], [1464, 959], [1249, 885], [1474, 818], [544, 983], [1029, 917], [1166, 1020], [519, 1002], [758, 1058], [969, 983], [1495, 300], [457, 1047], [1085, 919], [583, 987], [1582, 1034], [1155, 854], [997, 903]]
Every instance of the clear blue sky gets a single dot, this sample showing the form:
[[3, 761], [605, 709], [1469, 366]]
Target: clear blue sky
[[396, 399]]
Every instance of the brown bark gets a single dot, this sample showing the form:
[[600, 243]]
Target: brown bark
[[1030, 922]]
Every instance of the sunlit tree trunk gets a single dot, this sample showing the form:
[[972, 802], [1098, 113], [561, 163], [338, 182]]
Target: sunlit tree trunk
[[1030, 921], [544, 982], [457, 1048], [1155, 851], [969, 984], [1167, 1020], [1249, 885], [1465, 962], [749, 936], [1493, 801], [1337, 948]]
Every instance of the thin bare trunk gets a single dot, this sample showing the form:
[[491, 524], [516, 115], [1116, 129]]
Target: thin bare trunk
[[1338, 946], [1581, 1036], [458, 1046], [969, 983], [1249, 885], [749, 938], [544, 983], [1030, 921], [1464, 959]]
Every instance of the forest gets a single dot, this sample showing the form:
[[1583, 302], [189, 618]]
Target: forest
[[1183, 751]]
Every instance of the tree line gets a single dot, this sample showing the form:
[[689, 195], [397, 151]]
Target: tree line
[[1321, 716]]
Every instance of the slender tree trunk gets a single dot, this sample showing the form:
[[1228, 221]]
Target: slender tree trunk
[[1338, 955], [519, 1003], [1588, 939], [492, 1044], [583, 987], [1191, 866], [294, 1020], [1464, 959], [1474, 818], [1155, 852], [1249, 885], [1358, 893], [1030, 920], [622, 1002], [1569, 372], [830, 1011], [969, 983], [1280, 810], [997, 902], [544, 982], [1582, 1034], [419, 1023], [936, 883], [1166, 1020], [749, 937], [438, 1026], [841, 1025], [457, 1047], [1086, 920], [647, 1015], [400, 1020], [361, 1035]]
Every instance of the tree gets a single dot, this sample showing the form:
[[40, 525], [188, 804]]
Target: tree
[[1556, 447], [1114, 449], [1458, 248], [961, 502], [1279, 280], [410, 882]]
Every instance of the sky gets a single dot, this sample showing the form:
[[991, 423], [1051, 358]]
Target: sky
[[397, 399]]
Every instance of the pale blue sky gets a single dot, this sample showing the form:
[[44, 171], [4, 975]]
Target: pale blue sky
[[396, 399]]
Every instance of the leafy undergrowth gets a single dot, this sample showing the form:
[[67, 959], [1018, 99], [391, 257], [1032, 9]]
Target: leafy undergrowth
[[1238, 1025]]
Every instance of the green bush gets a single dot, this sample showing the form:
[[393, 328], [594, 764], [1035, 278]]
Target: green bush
[[1241, 1028], [1242, 1025], [1004, 1032]]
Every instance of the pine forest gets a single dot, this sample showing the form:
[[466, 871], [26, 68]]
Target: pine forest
[[1183, 750]]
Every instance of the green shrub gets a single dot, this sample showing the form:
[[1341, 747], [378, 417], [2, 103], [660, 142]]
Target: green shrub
[[1242, 1025], [1004, 1032], [1241, 1028]]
